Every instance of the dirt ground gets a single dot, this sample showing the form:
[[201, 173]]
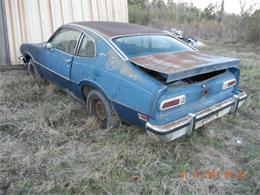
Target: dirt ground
[[49, 145]]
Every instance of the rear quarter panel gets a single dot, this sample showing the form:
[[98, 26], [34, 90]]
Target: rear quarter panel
[[129, 89]]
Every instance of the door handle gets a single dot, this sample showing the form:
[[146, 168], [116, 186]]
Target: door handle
[[68, 62]]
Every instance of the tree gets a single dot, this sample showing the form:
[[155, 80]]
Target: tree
[[209, 13], [139, 3], [221, 12], [137, 13]]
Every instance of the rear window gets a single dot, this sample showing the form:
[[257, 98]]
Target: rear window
[[141, 45]]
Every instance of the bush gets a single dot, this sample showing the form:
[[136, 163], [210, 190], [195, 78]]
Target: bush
[[210, 23]]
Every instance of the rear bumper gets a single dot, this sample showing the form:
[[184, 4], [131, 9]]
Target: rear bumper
[[186, 125]]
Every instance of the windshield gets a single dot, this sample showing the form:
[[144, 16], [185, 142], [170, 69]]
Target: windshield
[[141, 45]]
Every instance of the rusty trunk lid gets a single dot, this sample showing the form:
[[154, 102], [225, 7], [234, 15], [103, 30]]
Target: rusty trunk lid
[[180, 65]]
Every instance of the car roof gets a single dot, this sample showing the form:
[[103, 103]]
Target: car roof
[[113, 29]]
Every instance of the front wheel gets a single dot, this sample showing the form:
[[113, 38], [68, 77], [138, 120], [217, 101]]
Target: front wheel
[[32, 69], [101, 109]]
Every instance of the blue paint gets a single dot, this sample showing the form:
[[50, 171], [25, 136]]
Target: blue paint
[[128, 115], [130, 90]]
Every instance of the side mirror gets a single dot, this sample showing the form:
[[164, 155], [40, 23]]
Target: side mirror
[[48, 45]]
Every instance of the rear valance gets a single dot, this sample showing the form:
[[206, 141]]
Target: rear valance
[[176, 66]]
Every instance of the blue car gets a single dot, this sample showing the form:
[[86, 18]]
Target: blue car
[[137, 74]]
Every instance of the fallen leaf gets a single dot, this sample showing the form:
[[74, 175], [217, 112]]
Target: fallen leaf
[[135, 178]]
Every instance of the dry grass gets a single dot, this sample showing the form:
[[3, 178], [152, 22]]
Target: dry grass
[[49, 145]]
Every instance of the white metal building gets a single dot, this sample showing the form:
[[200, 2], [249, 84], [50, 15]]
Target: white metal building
[[35, 20]]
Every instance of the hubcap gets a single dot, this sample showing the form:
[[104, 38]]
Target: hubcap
[[98, 109]]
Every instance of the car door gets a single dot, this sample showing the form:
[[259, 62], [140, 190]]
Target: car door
[[59, 56], [86, 63]]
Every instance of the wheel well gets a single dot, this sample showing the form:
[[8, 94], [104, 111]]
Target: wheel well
[[88, 87], [27, 57]]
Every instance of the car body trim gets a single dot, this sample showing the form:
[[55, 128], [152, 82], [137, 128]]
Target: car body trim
[[52, 70], [200, 115], [81, 82]]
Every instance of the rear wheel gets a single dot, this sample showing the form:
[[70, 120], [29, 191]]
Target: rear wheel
[[101, 109]]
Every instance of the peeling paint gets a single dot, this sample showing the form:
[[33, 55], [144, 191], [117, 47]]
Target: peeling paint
[[112, 62], [126, 70], [170, 62], [116, 63], [175, 65]]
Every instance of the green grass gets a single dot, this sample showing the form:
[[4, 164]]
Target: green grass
[[48, 145]]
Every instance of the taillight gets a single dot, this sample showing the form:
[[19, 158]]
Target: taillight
[[229, 83], [143, 117], [172, 102]]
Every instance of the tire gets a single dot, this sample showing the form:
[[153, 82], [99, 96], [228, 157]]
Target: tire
[[101, 109], [32, 69]]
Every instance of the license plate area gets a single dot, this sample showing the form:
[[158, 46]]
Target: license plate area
[[212, 117]]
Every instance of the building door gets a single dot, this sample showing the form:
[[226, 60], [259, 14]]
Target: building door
[[4, 47]]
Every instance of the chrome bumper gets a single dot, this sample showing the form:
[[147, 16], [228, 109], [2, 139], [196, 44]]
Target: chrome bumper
[[22, 60], [186, 125]]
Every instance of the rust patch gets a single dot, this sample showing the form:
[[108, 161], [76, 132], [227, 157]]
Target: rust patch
[[168, 63], [175, 123], [126, 70], [110, 29]]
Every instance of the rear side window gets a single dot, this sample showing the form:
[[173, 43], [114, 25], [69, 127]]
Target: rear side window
[[141, 45], [87, 47], [66, 40]]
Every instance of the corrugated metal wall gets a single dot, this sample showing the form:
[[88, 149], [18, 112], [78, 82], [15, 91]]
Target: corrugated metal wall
[[36, 20], [4, 46]]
